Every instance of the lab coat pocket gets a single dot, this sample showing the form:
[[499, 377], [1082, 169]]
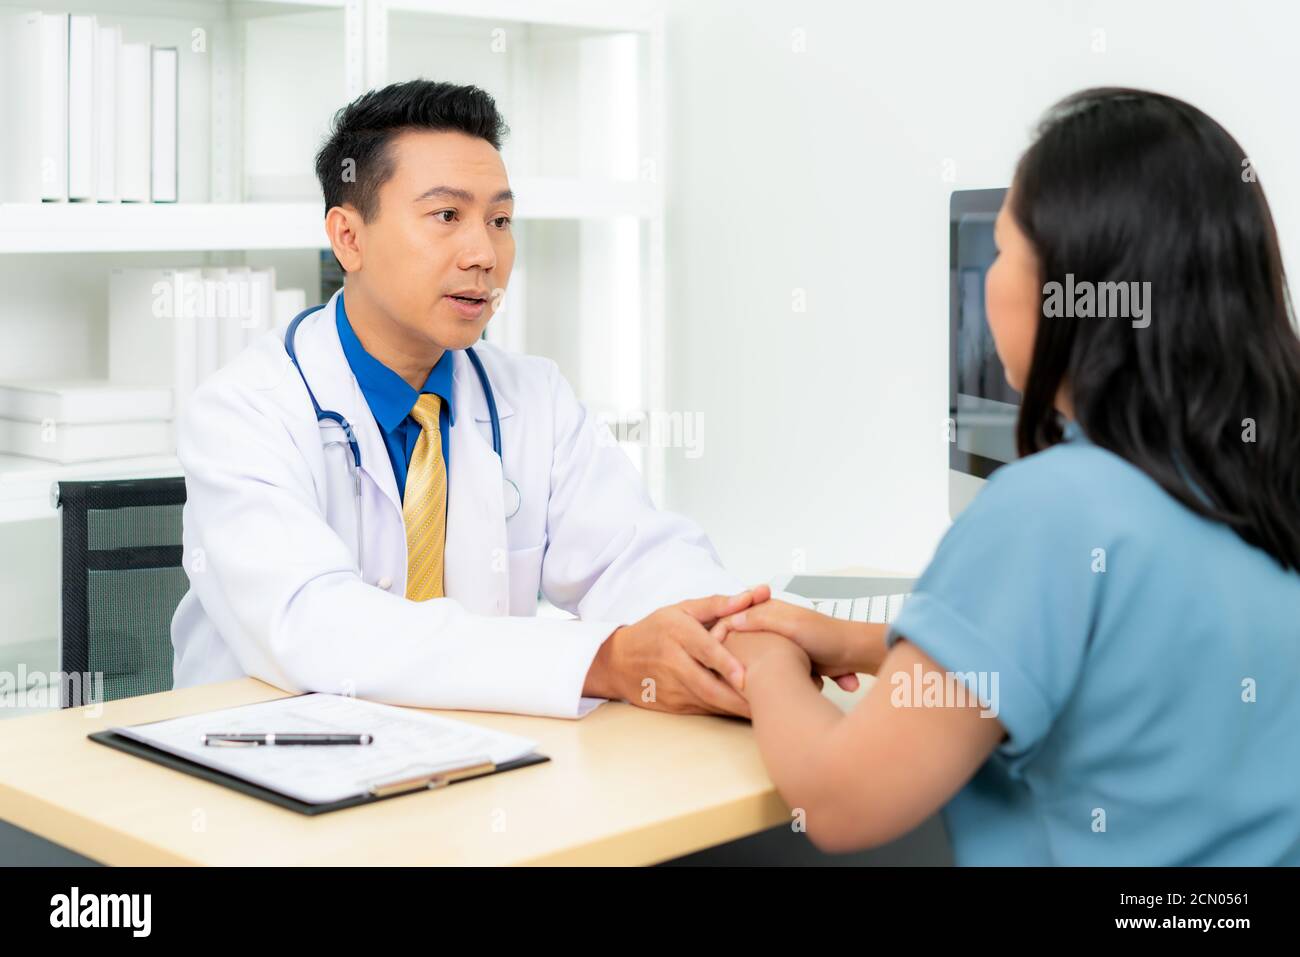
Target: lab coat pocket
[[525, 579]]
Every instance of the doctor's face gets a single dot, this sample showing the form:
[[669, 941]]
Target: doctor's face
[[438, 254]]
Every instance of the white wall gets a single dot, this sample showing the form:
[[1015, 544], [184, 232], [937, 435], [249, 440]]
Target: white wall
[[823, 170]]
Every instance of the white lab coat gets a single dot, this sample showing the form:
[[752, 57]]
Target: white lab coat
[[270, 539]]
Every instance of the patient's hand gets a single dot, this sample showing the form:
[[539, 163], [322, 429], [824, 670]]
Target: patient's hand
[[838, 649], [760, 650]]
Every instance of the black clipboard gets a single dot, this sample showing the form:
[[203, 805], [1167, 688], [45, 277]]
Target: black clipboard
[[158, 756]]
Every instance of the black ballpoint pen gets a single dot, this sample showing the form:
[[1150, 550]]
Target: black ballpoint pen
[[254, 739]]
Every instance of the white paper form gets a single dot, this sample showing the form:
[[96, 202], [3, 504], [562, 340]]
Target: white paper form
[[406, 743]]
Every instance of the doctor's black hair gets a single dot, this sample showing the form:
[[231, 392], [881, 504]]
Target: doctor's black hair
[[1123, 186], [355, 160]]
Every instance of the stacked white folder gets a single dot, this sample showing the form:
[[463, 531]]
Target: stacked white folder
[[168, 329], [172, 328], [86, 117], [69, 421]]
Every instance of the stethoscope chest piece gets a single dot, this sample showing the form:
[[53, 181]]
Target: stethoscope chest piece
[[511, 498]]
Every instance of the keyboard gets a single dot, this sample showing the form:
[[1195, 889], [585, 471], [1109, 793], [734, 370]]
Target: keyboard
[[871, 599], [876, 609]]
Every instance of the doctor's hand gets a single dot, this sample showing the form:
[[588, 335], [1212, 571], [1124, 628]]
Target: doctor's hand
[[668, 661], [839, 649]]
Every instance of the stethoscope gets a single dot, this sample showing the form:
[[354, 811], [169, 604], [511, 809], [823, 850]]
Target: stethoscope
[[510, 491]]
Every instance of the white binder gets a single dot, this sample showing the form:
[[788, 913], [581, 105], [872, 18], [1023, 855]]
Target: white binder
[[34, 107], [83, 149], [108, 40], [134, 109], [163, 78], [153, 321]]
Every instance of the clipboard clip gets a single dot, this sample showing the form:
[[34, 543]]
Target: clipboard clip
[[428, 781]]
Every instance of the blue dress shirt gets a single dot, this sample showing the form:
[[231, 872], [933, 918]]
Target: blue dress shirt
[[391, 399]]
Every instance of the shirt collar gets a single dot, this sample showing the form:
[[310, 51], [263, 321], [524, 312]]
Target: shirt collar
[[388, 394]]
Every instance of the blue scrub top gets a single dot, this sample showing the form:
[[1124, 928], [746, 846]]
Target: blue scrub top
[[391, 399], [1148, 665]]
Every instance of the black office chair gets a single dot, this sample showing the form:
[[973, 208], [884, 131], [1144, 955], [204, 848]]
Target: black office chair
[[122, 580]]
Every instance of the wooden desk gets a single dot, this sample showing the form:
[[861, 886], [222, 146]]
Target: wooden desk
[[624, 786]]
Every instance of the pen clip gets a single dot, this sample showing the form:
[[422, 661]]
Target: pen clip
[[479, 764], [217, 741]]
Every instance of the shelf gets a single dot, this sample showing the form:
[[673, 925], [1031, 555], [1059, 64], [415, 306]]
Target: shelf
[[201, 10], [152, 227], [139, 227], [247, 9], [625, 16], [25, 482], [548, 197]]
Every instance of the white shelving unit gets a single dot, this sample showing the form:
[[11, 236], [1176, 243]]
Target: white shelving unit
[[55, 257], [581, 85], [144, 227], [151, 227], [26, 484]]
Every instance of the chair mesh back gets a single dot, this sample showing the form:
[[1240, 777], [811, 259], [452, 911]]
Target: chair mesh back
[[122, 580]]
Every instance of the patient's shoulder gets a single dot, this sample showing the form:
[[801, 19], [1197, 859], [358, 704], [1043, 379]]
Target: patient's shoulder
[[1077, 484]]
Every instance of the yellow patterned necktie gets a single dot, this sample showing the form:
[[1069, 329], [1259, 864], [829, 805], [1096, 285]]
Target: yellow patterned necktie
[[424, 505]]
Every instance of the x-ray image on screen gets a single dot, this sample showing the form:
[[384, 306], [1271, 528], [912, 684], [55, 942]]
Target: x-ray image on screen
[[985, 407]]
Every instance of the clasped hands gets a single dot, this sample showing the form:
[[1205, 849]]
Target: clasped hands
[[694, 657]]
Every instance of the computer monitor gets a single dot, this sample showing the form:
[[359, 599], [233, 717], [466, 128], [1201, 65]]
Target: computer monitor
[[982, 408]]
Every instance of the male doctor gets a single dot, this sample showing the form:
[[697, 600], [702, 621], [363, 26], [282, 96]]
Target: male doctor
[[349, 526]]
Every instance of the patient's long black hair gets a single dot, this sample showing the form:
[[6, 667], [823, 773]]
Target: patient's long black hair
[[1130, 186]]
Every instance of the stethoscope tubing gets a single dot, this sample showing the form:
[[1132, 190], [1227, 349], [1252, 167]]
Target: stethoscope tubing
[[323, 415]]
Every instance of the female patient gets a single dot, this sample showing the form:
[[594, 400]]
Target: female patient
[[1125, 598]]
